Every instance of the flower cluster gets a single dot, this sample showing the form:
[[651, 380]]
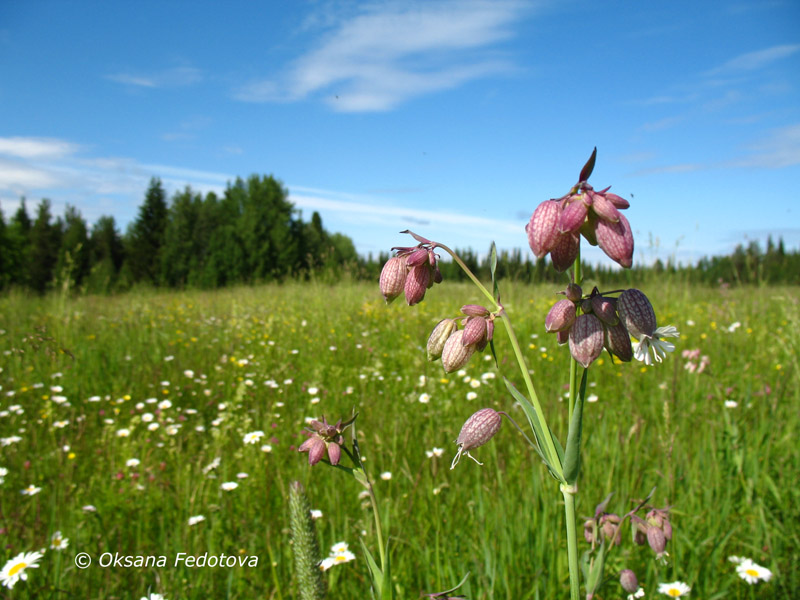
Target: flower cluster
[[456, 346], [608, 322], [322, 438], [339, 554], [556, 226], [412, 270], [655, 530]]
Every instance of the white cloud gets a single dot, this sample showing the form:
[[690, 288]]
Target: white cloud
[[174, 77], [396, 51], [781, 148], [752, 61], [33, 147]]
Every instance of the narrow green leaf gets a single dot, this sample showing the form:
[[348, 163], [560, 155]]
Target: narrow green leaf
[[538, 430], [572, 457], [595, 576], [587, 169], [375, 571], [493, 268]]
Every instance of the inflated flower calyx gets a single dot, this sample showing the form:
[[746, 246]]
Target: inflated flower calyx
[[478, 430]]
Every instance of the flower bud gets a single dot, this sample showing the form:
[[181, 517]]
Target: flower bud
[[455, 354], [617, 201], [393, 278], [560, 317], [617, 340], [573, 292], [605, 309], [604, 209], [478, 430], [475, 310], [656, 540], [565, 251], [637, 314], [474, 331], [628, 581], [616, 240], [417, 282], [542, 229], [586, 339], [573, 215], [443, 330]]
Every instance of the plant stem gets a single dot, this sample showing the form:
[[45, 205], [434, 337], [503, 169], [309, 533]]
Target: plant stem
[[569, 494], [471, 275], [572, 542]]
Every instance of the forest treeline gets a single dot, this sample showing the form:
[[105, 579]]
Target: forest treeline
[[253, 234]]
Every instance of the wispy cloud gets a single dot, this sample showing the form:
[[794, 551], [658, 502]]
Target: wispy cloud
[[33, 147], [174, 77], [781, 148], [396, 51], [753, 61]]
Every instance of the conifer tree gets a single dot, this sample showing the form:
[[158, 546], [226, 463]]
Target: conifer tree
[[145, 236]]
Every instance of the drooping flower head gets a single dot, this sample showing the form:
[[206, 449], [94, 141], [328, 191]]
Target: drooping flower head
[[411, 271], [477, 430], [557, 224], [324, 438], [636, 312]]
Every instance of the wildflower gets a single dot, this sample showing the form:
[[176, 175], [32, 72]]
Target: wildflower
[[31, 490], [477, 430], [253, 437], [323, 438], [123, 432], [229, 486], [393, 278], [132, 462], [196, 519], [266, 448], [315, 513], [636, 312], [674, 590], [339, 554], [455, 354], [57, 542], [15, 569], [424, 398], [386, 475], [436, 452], [752, 572], [89, 508], [586, 339], [153, 596], [628, 581], [440, 334]]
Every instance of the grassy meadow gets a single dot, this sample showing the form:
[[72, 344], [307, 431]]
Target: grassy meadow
[[176, 380]]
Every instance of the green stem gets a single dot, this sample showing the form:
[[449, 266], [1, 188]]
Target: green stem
[[570, 493], [549, 449], [471, 275], [572, 542]]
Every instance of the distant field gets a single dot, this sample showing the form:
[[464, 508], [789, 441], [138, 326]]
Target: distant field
[[176, 380]]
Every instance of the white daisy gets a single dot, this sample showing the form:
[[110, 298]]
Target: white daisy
[[31, 490], [57, 542], [434, 452], [424, 398], [229, 486], [674, 590], [386, 475], [15, 569], [196, 519], [752, 572], [253, 437], [315, 514]]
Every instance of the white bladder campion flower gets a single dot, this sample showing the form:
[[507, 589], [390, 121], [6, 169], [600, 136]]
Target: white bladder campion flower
[[641, 349], [15, 569]]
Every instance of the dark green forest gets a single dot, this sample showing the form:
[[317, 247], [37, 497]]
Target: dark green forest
[[254, 234]]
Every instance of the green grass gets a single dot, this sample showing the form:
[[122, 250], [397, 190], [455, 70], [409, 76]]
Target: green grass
[[729, 474]]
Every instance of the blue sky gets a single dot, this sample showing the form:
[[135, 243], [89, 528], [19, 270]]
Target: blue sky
[[454, 119]]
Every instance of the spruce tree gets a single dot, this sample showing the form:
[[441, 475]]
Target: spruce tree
[[145, 236]]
